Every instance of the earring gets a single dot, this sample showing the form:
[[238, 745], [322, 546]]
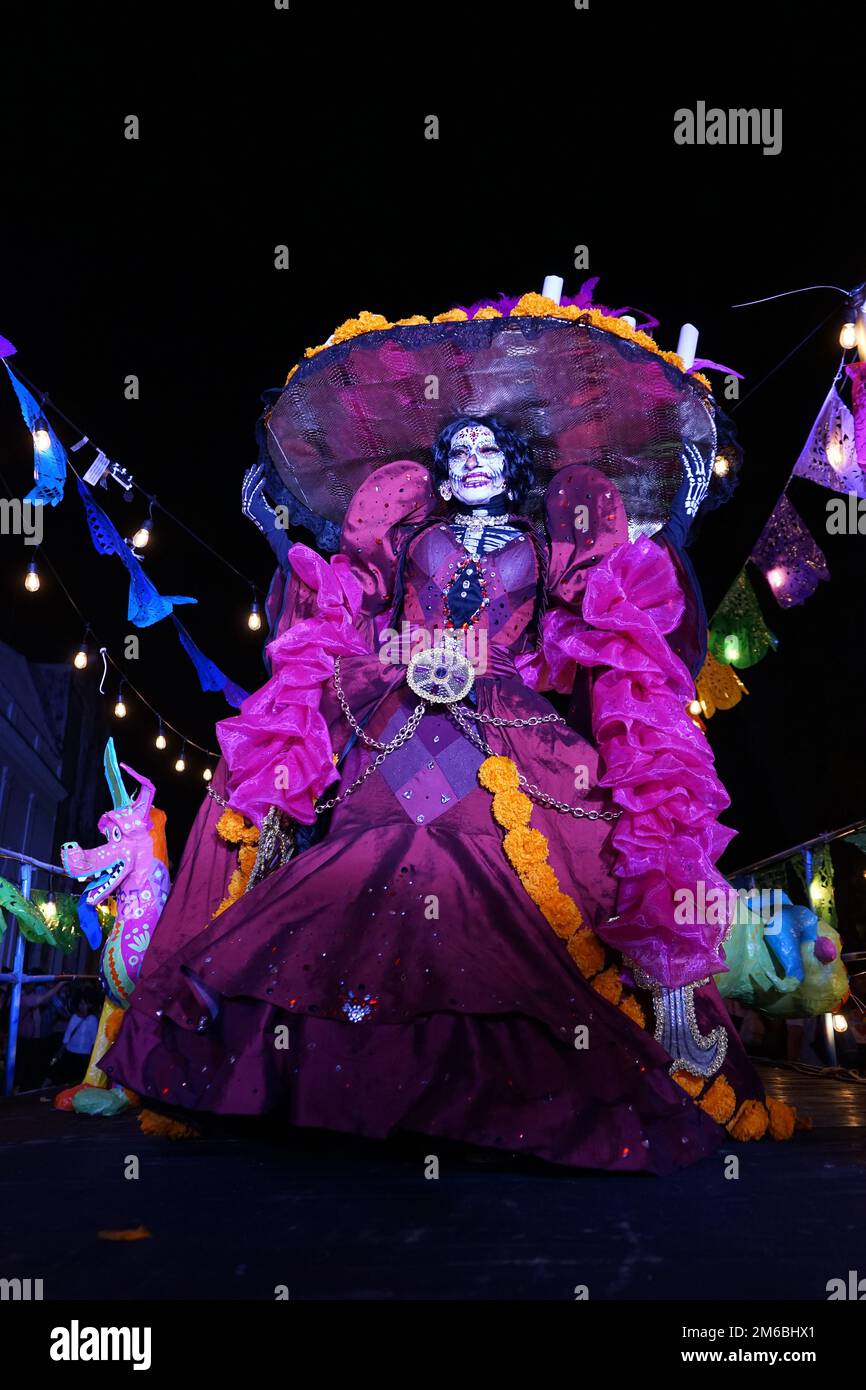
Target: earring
[[445, 491]]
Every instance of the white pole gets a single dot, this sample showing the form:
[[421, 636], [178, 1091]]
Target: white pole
[[687, 345], [552, 287]]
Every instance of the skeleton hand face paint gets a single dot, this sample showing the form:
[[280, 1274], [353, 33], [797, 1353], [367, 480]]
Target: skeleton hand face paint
[[476, 465]]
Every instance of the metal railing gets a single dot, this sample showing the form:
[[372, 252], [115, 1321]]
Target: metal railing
[[17, 976]]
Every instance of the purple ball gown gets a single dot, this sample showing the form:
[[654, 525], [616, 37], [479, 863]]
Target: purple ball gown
[[396, 975]]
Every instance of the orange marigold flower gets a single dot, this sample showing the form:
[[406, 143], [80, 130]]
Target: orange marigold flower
[[539, 880], [692, 1085], [782, 1118], [237, 884], [488, 312], [498, 775], [719, 1102], [750, 1122], [451, 316], [630, 1006], [230, 826], [246, 859], [411, 321], [291, 373], [587, 952], [524, 847], [353, 328], [704, 380], [536, 306], [609, 985], [164, 1127], [511, 809], [562, 912]]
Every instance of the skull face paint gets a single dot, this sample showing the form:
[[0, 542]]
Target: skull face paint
[[476, 465]]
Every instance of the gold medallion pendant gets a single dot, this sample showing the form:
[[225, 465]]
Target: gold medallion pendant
[[442, 674]]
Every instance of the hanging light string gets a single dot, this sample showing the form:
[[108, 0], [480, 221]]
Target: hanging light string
[[46, 401], [124, 681], [772, 372], [108, 658], [804, 289]]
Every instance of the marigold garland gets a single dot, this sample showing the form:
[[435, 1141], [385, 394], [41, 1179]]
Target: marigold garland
[[511, 809], [527, 850], [234, 829], [163, 1127], [750, 1122], [693, 1085], [524, 847], [561, 912], [719, 1102], [539, 880], [498, 775], [783, 1119], [631, 1007], [587, 952], [609, 985], [529, 306]]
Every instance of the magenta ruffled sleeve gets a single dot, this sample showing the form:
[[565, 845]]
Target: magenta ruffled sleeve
[[659, 767], [278, 748]]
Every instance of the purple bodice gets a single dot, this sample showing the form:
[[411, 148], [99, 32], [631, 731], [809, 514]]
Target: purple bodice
[[510, 576]]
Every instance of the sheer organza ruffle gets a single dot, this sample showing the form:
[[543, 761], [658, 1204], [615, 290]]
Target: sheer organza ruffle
[[278, 747], [659, 767]]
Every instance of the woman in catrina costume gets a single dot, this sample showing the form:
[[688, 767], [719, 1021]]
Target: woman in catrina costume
[[434, 884]]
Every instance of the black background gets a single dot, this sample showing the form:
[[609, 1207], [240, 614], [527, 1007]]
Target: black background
[[261, 127]]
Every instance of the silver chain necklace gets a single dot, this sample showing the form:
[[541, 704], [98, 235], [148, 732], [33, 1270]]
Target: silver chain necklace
[[460, 714]]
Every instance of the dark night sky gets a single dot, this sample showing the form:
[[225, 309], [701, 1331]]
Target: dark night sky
[[307, 128]]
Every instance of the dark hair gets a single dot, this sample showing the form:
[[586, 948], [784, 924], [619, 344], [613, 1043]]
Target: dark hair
[[519, 473]]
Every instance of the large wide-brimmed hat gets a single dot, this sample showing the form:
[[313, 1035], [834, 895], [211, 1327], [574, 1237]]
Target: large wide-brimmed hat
[[580, 385]]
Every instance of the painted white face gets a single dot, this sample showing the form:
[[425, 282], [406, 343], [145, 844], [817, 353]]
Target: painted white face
[[476, 465]]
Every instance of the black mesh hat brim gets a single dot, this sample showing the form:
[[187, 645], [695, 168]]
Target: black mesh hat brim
[[577, 393]]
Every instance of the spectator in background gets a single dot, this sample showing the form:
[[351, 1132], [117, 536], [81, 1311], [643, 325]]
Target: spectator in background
[[70, 1063], [36, 1044]]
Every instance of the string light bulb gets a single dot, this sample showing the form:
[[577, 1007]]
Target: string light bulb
[[79, 660], [120, 706], [49, 906], [840, 1023], [254, 620], [41, 435], [207, 774], [31, 579], [141, 537], [695, 707], [848, 335], [721, 466], [161, 741], [180, 765]]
